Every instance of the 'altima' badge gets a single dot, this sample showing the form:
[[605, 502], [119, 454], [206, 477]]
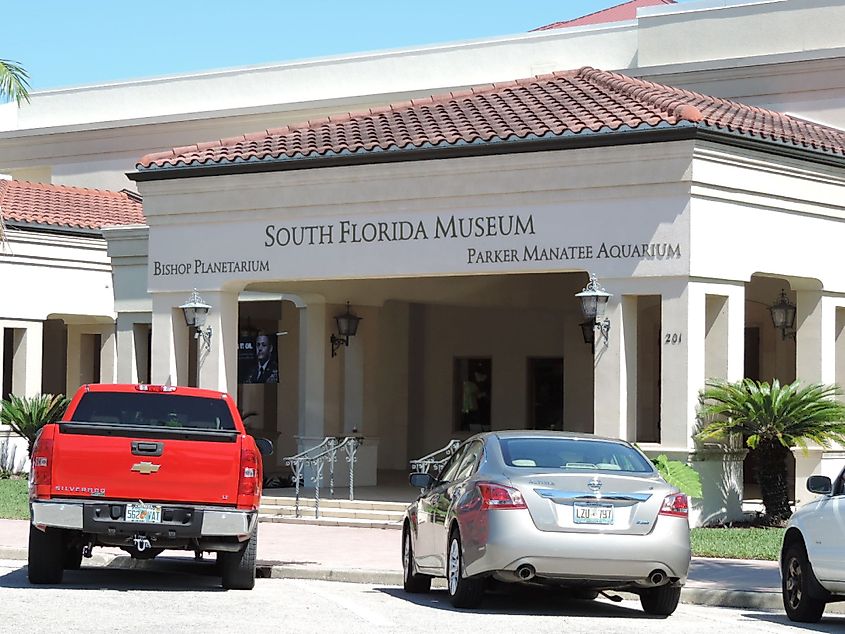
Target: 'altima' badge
[[145, 468]]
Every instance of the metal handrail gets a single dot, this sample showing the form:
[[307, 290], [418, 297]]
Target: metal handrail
[[330, 446], [428, 461]]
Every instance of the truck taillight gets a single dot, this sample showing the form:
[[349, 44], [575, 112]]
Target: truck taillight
[[497, 496], [675, 505], [41, 463], [248, 483]]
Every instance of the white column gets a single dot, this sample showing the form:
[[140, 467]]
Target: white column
[[682, 361], [353, 386], [73, 370], [26, 365], [815, 323], [615, 363], [218, 359], [312, 370], [108, 355], [392, 384], [126, 368], [133, 352], [815, 362], [721, 466], [170, 340]]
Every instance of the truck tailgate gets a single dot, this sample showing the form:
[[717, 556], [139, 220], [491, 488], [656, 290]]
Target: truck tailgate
[[160, 465]]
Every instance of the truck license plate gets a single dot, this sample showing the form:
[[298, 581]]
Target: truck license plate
[[143, 513], [593, 514]]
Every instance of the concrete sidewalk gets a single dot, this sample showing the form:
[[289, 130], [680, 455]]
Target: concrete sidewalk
[[371, 555]]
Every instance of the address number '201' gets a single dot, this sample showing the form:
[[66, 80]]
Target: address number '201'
[[673, 338]]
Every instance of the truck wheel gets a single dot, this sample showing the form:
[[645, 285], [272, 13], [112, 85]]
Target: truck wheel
[[238, 569], [796, 579], [46, 555]]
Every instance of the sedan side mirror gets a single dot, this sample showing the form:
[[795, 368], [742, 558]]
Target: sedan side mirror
[[265, 447], [422, 480], [819, 484]]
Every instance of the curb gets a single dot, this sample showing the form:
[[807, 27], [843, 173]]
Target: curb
[[693, 596]]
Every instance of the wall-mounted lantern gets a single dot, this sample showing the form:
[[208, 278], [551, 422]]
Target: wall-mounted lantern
[[347, 326]]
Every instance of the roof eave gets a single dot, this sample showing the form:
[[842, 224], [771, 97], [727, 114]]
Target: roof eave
[[601, 138]]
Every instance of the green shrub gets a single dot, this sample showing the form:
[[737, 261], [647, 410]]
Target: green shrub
[[27, 415]]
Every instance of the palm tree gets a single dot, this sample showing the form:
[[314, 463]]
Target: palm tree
[[14, 81], [26, 416], [773, 418]]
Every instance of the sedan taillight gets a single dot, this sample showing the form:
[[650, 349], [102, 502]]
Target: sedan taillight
[[497, 496], [675, 505]]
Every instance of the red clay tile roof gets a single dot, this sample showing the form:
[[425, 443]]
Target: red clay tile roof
[[618, 13], [545, 107], [64, 206]]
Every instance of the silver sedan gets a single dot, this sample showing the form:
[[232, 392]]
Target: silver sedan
[[585, 513]]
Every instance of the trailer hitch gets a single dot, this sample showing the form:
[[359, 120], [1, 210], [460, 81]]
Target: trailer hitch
[[141, 542]]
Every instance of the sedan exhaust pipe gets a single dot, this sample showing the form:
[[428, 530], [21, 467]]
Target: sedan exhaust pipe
[[526, 572], [657, 577]]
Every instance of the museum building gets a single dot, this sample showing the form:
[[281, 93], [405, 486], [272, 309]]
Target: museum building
[[456, 229]]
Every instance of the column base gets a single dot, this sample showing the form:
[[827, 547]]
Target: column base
[[721, 471]]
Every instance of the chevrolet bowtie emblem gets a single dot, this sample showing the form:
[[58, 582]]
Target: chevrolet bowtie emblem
[[145, 468]]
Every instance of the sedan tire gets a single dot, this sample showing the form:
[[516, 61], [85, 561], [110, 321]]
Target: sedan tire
[[797, 577], [412, 581], [660, 601], [464, 592]]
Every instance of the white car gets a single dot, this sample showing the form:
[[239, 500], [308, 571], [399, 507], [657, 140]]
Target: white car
[[812, 560]]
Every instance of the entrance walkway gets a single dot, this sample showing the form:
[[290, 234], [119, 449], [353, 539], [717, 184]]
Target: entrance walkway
[[392, 486]]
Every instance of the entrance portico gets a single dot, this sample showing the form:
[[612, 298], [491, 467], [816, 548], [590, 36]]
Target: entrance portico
[[475, 261]]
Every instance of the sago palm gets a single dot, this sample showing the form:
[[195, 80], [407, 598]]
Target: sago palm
[[28, 415], [14, 81], [773, 419]]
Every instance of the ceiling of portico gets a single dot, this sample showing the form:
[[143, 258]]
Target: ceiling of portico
[[551, 291]]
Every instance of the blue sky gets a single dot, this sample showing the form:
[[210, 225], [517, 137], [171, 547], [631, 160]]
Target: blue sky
[[67, 43]]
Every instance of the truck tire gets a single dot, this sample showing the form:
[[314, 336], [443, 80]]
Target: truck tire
[[238, 568], [797, 581], [46, 555]]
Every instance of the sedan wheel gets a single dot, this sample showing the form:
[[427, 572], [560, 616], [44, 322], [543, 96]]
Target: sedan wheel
[[464, 592], [795, 585], [412, 581], [660, 601]]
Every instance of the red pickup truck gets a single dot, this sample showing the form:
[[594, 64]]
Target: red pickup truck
[[145, 468]]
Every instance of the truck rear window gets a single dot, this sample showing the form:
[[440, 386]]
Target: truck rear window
[[154, 410]]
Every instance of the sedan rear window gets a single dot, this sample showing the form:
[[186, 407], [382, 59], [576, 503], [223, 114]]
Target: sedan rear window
[[154, 410], [572, 455]]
